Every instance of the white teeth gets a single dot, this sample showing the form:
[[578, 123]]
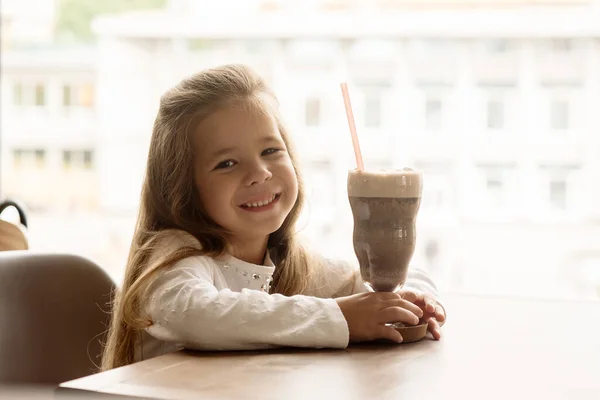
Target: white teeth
[[260, 203]]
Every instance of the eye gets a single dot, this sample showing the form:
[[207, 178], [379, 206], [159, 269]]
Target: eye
[[269, 151], [225, 164]]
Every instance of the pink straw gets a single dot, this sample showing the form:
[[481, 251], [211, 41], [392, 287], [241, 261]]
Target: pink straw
[[352, 125]]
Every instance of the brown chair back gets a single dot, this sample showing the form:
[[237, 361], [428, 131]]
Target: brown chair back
[[54, 313]]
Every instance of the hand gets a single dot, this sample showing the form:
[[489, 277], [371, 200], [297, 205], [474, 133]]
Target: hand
[[368, 313], [434, 313]]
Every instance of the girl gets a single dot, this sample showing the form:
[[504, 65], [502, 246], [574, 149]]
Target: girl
[[215, 263]]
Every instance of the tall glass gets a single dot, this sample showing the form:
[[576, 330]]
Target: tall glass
[[384, 206]]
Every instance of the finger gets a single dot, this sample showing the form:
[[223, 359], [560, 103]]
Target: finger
[[397, 314], [434, 328], [435, 332], [412, 296], [430, 304], [440, 315], [415, 309], [421, 299], [389, 333]]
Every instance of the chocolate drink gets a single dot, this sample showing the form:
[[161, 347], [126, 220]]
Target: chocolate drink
[[385, 206]]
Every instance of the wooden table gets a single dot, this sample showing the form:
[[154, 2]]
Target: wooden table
[[492, 348]]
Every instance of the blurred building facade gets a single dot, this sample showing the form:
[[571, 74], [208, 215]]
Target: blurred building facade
[[493, 101]]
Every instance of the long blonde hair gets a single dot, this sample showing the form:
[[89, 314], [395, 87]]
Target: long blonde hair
[[170, 200]]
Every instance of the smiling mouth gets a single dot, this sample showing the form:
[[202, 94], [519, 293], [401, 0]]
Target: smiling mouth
[[262, 203]]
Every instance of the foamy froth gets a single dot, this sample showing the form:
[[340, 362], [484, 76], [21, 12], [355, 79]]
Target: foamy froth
[[385, 183]]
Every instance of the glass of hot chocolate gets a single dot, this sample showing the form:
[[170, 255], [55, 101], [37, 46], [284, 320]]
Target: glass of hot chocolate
[[384, 206]]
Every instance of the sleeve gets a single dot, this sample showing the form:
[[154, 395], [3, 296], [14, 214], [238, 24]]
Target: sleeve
[[336, 278], [420, 280], [186, 307]]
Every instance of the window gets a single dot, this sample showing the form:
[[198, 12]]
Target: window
[[40, 158], [199, 44], [67, 155], [87, 159], [499, 187], [495, 189], [253, 46], [433, 114], [559, 115], [370, 49], [432, 48], [372, 109], [558, 194], [67, 100], [17, 158], [561, 45], [495, 114], [438, 191], [29, 158], [81, 95], [558, 185], [18, 95], [497, 46], [86, 95], [77, 159], [40, 95], [433, 198], [29, 95], [320, 177], [312, 115], [320, 195]]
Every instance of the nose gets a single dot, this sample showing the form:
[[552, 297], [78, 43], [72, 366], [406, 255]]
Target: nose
[[258, 173]]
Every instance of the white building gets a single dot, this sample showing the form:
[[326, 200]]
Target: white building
[[494, 103], [49, 128]]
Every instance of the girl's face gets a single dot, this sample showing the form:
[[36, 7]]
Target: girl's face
[[243, 172]]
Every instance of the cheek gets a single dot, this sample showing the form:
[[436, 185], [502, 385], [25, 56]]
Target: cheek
[[216, 198], [292, 181], [214, 206]]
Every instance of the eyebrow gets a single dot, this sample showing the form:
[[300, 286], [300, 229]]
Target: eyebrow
[[222, 152]]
